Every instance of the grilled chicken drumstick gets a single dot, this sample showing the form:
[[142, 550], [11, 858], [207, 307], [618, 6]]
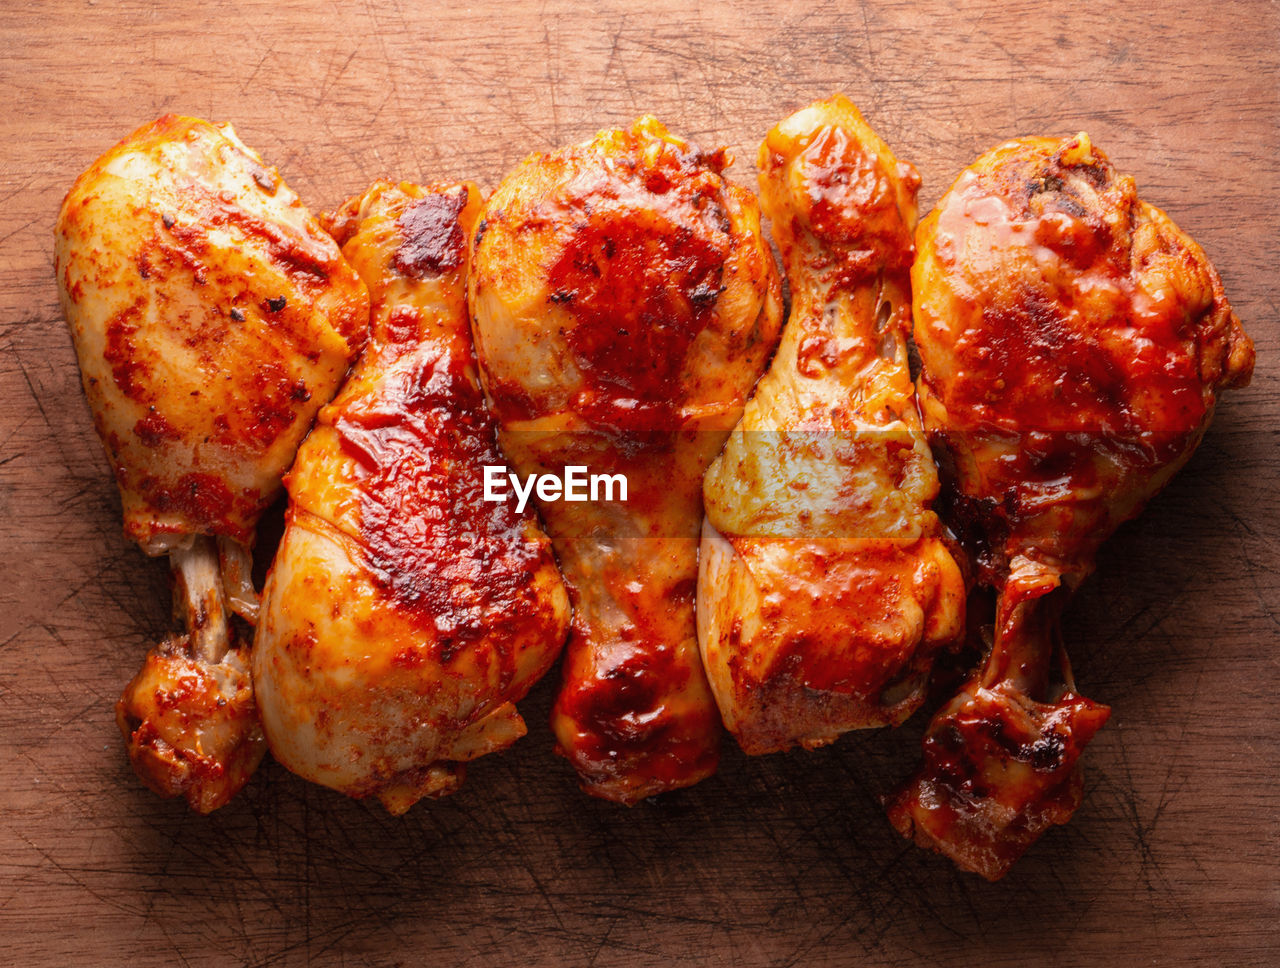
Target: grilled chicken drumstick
[[404, 615], [212, 317], [1072, 344], [624, 302], [825, 587]]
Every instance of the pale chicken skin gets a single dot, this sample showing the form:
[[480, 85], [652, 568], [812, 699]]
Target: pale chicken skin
[[1072, 343], [624, 302], [212, 317], [825, 587], [404, 615]]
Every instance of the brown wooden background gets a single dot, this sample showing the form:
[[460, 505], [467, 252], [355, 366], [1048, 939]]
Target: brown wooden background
[[778, 861]]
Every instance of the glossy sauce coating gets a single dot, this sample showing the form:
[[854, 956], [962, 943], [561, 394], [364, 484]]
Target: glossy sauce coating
[[1058, 309], [1072, 344], [404, 615], [419, 443], [624, 301], [640, 288], [212, 318], [825, 586]]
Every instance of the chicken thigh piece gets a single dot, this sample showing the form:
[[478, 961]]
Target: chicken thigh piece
[[404, 615], [212, 318], [1072, 344], [624, 302], [825, 587]]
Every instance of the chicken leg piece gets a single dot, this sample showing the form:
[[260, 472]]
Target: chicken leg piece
[[624, 302], [189, 716], [212, 317], [1072, 344], [825, 587], [404, 615]]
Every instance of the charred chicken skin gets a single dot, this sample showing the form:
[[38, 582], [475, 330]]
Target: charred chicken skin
[[825, 587], [1072, 343], [212, 317], [404, 616], [624, 302]]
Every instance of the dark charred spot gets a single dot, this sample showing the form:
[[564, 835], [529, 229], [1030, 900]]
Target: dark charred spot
[[434, 242], [1046, 752], [705, 293], [166, 220], [1046, 183], [449, 648], [277, 303], [237, 314], [1097, 172]]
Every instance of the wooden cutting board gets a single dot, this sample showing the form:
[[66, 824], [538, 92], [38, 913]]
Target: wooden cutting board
[[785, 860]]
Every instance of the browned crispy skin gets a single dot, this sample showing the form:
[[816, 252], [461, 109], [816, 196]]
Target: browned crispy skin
[[825, 586], [212, 318], [404, 616], [624, 302], [1072, 344]]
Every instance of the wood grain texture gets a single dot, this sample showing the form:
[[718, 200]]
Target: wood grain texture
[[785, 860]]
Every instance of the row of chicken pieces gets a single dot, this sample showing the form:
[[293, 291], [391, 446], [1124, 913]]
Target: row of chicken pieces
[[778, 566]]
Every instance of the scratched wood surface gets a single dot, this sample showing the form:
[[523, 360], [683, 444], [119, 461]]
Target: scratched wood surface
[[785, 860]]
